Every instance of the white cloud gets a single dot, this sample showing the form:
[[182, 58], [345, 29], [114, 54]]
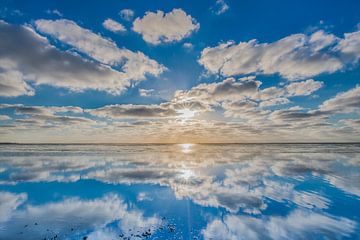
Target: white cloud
[[146, 92], [134, 65], [135, 111], [236, 93], [220, 7], [351, 122], [188, 45], [304, 88], [4, 117], [41, 110], [161, 27], [84, 40], [54, 12], [343, 102], [12, 83], [228, 89], [127, 14], [274, 101], [297, 115], [27, 57], [243, 100], [270, 93], [47, 116], [349, 46], [297, 56], [113, 26]]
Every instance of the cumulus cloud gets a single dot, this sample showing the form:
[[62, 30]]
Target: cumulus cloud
[[246, 99], [237, 97], [246, 93], [349, 46], [228, 89], [297, 56], [41, 115], [295, 114], [134, 65], [113, 26], [27, 58], [170, 109], [161, 27], [40, 110], [127, 14], [351, 122], [146, 92], [304, 88], [21, 109], [255, 111], [343, 102], [12, 83], [274, 101], [4, 117], [241, 105], [135, 111]]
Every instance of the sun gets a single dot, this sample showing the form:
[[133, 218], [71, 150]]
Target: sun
[[186, 113]]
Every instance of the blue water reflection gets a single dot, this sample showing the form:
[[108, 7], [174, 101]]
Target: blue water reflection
[[292, 191]]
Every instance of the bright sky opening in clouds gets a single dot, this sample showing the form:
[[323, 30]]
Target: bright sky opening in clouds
[[180, 71]]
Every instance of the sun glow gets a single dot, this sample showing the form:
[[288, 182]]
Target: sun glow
[[186, 113]]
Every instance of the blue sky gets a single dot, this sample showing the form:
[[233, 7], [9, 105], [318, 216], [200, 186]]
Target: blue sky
[[179, 71]]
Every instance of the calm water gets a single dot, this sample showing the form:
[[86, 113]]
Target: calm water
[[180, 191]]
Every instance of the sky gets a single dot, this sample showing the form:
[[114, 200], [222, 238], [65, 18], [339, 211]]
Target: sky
[[216, 71]]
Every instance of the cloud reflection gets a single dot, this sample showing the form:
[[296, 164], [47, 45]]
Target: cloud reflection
[[69, 217], [243, 181], [297, 225]]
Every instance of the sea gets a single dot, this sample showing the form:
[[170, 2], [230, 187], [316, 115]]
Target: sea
[[179, 191]]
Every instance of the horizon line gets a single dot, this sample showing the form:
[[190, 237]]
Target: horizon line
[[172, 143]]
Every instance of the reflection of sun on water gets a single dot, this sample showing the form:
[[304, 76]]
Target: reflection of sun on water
[[186, 147], [186, 174]]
